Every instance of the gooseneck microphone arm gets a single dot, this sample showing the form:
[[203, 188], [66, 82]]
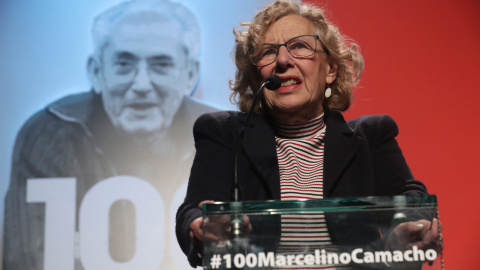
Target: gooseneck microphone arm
[[273, 82]]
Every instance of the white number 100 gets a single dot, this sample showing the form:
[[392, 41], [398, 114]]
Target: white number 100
[[92, 244]]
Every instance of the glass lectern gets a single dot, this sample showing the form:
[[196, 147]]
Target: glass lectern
[[337, 233]]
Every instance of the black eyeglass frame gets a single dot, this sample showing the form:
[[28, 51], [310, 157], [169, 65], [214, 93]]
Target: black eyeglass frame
[[277, 46]]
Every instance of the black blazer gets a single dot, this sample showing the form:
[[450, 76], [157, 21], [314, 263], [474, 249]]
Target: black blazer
[[362, 158]]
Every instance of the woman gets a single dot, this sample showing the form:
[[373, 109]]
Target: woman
[[296, 128]]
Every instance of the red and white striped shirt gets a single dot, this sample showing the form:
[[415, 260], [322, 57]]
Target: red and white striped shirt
[[300, 152]]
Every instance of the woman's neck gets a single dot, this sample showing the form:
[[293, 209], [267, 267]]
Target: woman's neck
[[300, 130]]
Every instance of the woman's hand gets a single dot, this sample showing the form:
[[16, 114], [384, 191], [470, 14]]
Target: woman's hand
[[196, 230], [424, 234], [214, 229]]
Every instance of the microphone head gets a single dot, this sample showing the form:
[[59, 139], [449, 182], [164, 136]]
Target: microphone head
[[273, 82]]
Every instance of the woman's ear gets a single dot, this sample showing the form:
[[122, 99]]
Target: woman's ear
[[93, 69], [332, 73]]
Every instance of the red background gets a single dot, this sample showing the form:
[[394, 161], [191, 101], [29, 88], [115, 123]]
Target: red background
[[421, 67]]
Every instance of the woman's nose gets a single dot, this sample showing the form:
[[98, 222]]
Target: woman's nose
[[284, 58]]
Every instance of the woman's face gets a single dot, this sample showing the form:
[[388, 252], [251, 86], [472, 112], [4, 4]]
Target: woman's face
[[301, 95]]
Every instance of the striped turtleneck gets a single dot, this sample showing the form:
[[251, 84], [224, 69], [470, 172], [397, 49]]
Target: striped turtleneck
[[300, 152], [300, 158]]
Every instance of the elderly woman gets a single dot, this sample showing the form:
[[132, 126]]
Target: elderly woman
[[297, 132]]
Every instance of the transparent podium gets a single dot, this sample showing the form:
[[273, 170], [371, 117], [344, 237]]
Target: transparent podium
[[337, 233]]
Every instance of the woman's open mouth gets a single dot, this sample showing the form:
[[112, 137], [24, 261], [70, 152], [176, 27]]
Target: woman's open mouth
[[290, 81]]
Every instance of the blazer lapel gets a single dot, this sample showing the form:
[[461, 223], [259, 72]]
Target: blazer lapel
[[260, 149], [340, 147]]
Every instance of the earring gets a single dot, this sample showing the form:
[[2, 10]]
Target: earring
[[328, 92]]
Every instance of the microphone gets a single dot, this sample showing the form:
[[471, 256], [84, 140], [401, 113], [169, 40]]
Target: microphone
[[273, 82]]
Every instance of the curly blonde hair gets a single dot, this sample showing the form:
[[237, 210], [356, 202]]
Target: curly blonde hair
[[341, 51]]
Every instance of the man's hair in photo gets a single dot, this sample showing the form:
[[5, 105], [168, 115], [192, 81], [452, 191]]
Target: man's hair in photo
[[149, 11]]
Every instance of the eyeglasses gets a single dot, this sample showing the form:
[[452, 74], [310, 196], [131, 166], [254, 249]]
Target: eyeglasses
[[299, 47]]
